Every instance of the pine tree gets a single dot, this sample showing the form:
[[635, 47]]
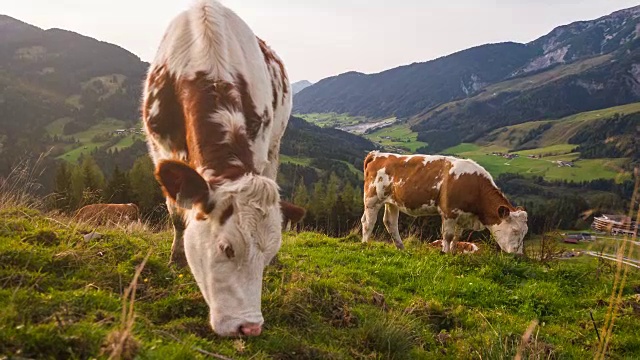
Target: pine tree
[[330, 200], [63, 187], [300, 194], [145, 187], [317, 202], [93, 180], [118, 189]]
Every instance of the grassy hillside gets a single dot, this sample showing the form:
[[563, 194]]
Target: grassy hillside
[[397, 137], [323, 299], [560, 131], [585, 85], [332, 120], [584, 170]]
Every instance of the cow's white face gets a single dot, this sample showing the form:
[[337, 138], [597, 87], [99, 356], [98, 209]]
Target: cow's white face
[[232, 232], [510, 232]]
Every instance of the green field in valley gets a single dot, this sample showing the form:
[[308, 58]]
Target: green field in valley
[[324, 298], [584, 170], [86, 138], [396, 136], [332, 120], [559, 133]]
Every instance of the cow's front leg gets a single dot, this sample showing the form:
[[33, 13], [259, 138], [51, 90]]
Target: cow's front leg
[[448, 234], [390, 219], [369, 218], [178, 256]]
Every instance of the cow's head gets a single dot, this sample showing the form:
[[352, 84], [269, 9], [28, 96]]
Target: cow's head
[[511, 229], [233, 230]]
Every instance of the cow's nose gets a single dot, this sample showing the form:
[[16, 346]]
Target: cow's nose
[[251, 329]]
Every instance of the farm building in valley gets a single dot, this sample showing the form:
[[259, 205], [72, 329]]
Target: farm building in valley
[[615, 224]]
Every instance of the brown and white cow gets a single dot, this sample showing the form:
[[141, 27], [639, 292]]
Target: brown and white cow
[[216, 104], [291, 215], [462, 192], [460, 246], [102, 214]]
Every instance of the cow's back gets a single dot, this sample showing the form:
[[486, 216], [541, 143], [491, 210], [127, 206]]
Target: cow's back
[[411, 182], [210, 63]]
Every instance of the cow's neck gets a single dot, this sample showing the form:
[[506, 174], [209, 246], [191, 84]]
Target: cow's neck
[[491, 200]]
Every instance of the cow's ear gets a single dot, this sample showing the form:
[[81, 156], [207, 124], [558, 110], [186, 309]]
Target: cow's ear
[[182, 184], [503, 212]]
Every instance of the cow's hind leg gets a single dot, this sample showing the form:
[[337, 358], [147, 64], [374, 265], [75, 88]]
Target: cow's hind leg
[[178, 256], [391, 214], [369, 218]]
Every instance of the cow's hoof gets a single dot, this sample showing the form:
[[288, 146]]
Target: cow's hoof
[[400, 247], [179, 261]]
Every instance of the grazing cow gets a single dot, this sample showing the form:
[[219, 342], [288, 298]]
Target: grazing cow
[[101, 214], [216, 104], [291, 214], [461, 246], [460, 191]]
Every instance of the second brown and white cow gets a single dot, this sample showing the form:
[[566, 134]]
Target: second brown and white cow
[[103, 214], [216, 104], [291, 215], [460, 191]]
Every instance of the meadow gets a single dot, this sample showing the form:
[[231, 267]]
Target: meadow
[[323, 298]]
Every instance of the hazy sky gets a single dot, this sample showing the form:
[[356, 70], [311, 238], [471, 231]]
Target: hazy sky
[[321, 38]]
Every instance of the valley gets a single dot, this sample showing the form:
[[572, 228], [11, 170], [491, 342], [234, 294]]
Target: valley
[[536, 148]]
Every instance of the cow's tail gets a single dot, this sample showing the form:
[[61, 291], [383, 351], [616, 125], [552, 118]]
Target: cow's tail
[[370, 157]]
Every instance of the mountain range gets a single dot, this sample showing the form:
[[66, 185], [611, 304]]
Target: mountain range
[[64, 90], [298, 86], [578, 67]]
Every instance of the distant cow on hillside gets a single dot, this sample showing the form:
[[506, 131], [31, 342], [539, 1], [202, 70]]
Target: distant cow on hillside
[[462, 192], [102, 214], [291, 214]]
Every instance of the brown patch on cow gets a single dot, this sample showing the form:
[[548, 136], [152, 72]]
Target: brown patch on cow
[[291, 212], [169, 123], [367, 160], [226, 214], [200, 216], [271, 58], [252, 120], [461, 246], [210, 144], [266, 119]]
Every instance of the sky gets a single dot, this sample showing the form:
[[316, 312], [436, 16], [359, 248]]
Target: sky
[[321, 38]]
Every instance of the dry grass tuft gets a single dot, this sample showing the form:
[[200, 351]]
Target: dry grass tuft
[[121, 344]]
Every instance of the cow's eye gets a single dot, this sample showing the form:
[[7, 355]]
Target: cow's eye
[[227, 249]]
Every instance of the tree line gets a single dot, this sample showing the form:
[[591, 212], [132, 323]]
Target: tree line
[[333, 196]]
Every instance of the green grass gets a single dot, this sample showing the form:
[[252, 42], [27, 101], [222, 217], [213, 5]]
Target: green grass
[[295, 160], [397, 136], [332, 120], [56, 127], [127, 141], [323, 299], [559, 149], [86, 139], [74, 154], [584, 170], [561, 131], [105, 126]]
